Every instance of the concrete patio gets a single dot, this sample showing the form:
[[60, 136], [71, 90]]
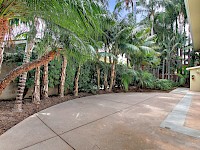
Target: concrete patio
[[124, 121]]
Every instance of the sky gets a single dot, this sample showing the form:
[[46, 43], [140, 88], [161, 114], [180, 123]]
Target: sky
[[112, 5]]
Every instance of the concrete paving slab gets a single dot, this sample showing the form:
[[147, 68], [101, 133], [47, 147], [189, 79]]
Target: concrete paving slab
[[72, 114], [180, 91], [112, 133], [101, 102], [52, 144], [193, 119], [181, 129], [164, 101], [133, 128], [178, 115], [126, 98], [176, 119], [26, 133]]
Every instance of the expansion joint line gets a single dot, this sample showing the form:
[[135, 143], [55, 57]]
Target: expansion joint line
[[55, 133]]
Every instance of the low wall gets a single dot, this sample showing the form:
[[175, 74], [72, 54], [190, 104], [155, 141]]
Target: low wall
[[10, 91]]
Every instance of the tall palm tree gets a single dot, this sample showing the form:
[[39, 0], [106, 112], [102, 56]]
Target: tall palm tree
[[170, 46], [150, 7], [22, 79]]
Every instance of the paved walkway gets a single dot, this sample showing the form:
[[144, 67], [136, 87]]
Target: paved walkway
[[125, 121], [176, 119]]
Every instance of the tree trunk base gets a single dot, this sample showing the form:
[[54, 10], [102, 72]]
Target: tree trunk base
[[75, 93], [17, 107]]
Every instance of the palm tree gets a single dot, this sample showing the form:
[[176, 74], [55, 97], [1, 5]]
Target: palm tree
[[22, 79], [150, 8], [81, 57], [45, 82], [36, 91], [85, 22], [63, 76], [76, 80], [170, 46], [9, 9]]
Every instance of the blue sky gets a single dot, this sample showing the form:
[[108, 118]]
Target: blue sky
[[112, 5]]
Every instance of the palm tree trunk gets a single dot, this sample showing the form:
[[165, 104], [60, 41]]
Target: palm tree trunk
[[36, 92], [26, 67], [105, 75], [154, 71], [98, 77], [1, 54], [189, 51], [105, 81], [45, 82], [181, 60], [110, 60], [168, 67], [127, 61], [3, 30], [63, 77], [112, 76], [176, 25], [163, 69], [152, 23], [76, 81], [158, 72], [23, 77], [20, 91]]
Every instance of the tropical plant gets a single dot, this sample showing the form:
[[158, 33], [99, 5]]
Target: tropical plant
[[163, 84], [144, 79], [127, 78]]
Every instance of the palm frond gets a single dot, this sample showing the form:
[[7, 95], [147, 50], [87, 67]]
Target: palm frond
[[105, 54], [149, 43], [130, 47], [146, 49]]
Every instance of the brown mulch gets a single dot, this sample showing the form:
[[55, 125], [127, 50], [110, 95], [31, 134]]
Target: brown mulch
[[9, 118]]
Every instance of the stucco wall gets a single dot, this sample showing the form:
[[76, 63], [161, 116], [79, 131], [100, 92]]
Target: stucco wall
[[10, 91], [195, 83]]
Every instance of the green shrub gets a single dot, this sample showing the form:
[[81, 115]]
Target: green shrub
[[127, 78], [163, 84], [144, 79], [70, 74], [54, 73], [124, 76], [182, 79], [88, 77], [120, 69]]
